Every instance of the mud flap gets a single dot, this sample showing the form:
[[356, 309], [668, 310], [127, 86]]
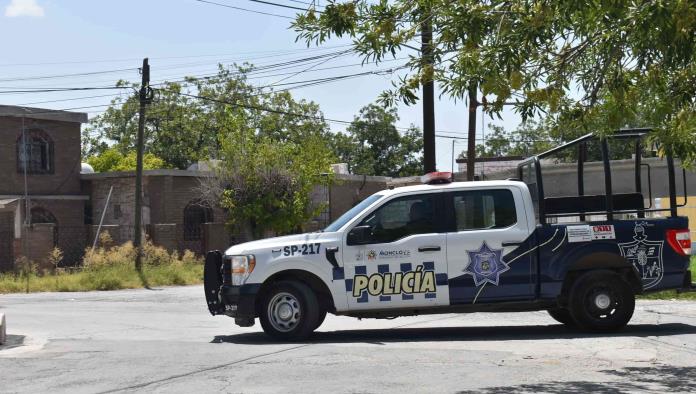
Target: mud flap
[[688, 286], [212, 280]]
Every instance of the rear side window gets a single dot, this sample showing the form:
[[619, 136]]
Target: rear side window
[[484, 209]]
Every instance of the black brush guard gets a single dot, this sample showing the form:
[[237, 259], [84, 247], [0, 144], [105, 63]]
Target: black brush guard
[[212, 282]]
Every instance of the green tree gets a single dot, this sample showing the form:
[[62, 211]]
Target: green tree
[[186, 121], [527, 139], [372, 145], [266, 185], [498, 143], [578, 60], [112, 160]]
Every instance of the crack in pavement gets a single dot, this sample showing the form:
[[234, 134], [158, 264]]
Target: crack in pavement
[[183, 375]]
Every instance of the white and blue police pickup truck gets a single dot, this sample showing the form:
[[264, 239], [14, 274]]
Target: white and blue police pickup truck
[[444, 247]]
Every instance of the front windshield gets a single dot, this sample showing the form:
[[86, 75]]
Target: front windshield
[[343, 219]]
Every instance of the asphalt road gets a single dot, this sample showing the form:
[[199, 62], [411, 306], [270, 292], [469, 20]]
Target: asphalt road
[[165, 341]]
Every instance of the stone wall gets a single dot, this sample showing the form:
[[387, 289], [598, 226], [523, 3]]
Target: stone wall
[[215, 237], [349, 190], [164, 235], [38, 243]]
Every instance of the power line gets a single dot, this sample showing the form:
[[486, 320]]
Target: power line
[[245, 9], [271, 110], [70, 99], [61, 90], [277, 52], [67, 75], [310, 67], [295, 62], [312, 3], [280, 5]]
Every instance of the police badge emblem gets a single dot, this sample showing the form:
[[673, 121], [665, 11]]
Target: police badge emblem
[[486, 265], [645, 255]]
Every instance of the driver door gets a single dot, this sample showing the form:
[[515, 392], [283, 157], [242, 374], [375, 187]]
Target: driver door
[[401, 262]]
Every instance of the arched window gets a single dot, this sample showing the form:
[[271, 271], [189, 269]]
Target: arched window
[[35, 151], [41, 215], [195, 214]]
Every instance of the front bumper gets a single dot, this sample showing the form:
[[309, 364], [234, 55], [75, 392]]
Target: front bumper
[[240, 301], [222, 297]]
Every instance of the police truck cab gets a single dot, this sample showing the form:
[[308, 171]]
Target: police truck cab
[[444, 247]]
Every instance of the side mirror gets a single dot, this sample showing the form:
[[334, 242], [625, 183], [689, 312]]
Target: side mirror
[[359, 235]]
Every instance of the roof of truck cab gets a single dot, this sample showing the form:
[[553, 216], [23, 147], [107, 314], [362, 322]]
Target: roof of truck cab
[[451, 186]]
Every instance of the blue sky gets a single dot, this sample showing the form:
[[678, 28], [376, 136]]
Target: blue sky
[[183, 37]]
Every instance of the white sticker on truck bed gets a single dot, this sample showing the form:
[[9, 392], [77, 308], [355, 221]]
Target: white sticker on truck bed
[[603, 231], [587, 233], [581, 233]]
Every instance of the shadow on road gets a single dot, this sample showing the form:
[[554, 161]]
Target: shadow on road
[[12, 341], [660, 378], [438, 334]]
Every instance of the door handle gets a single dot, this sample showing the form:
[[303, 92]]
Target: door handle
[[429, 249], [515, 243]]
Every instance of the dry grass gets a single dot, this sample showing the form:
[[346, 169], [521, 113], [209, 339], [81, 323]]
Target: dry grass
[[108, 268]]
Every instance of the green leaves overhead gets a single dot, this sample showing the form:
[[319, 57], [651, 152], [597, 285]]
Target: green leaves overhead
[[576, 60]]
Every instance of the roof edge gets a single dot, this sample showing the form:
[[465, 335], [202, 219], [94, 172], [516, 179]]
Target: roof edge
[[42, 113]]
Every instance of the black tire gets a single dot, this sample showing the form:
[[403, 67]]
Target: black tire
[[601, 301], [289, 311], [562, 316], [322, 316]]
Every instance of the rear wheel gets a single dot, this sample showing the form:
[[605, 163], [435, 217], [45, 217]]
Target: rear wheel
[[562, 315], [289, 311], [601, 301]]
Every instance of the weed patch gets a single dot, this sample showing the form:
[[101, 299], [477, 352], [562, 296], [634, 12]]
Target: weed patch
[[108, 267]]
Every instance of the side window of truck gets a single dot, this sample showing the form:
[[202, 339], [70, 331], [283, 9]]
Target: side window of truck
[[401, 217], [484, 209]]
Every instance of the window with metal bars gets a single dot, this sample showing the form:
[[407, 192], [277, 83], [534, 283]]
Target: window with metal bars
[[35, 151], [195, 214]]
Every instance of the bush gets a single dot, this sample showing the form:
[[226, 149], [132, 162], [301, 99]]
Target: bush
[[108, 267]]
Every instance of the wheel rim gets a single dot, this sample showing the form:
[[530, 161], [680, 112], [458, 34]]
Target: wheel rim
[[602, 303], [284, 312]]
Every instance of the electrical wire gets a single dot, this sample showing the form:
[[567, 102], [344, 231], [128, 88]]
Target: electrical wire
[[280, 5], [277, 52], [67, 75], [310, 67], [244, 9], [293, 62]]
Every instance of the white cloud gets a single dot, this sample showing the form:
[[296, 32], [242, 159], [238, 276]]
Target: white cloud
[[23, 8]]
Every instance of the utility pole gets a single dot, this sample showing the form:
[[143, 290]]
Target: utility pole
[[145, 98], [471, 146], [428, 93]]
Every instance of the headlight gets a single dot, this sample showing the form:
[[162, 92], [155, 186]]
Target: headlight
[[242, 266]]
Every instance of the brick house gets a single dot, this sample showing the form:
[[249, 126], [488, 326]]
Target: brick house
[[42, 204], [63, 201], [173, 214]]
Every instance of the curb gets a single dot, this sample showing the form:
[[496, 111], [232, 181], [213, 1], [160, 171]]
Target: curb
[[3, 329]]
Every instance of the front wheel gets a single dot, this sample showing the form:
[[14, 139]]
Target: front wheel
[[289, 311], [601, 301]]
